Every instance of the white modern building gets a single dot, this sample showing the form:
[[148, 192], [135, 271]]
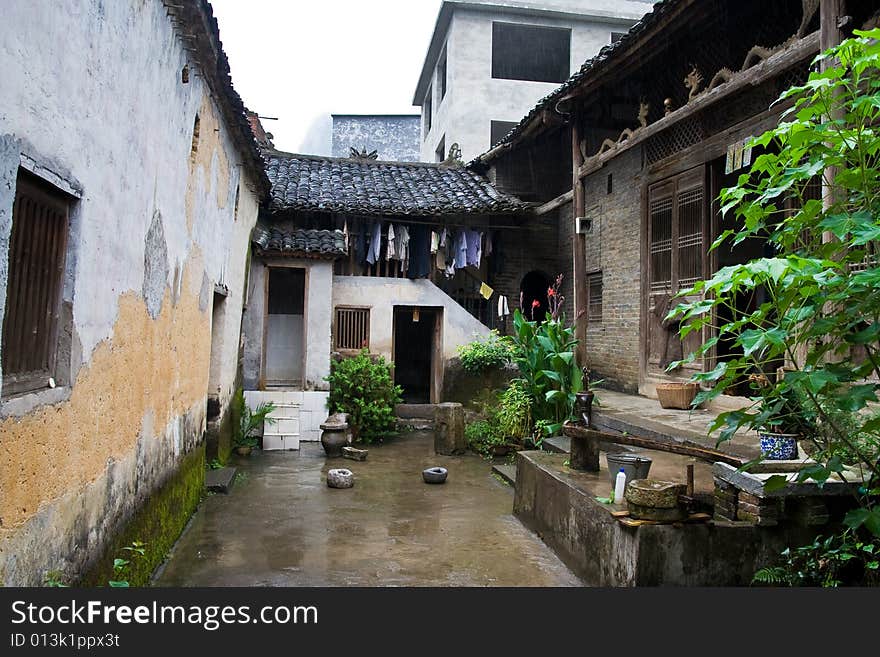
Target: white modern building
[[489, 62]]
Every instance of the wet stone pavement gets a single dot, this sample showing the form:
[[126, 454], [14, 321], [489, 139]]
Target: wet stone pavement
[[282, 526]]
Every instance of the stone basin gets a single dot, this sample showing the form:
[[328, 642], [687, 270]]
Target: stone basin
[[654, 493]]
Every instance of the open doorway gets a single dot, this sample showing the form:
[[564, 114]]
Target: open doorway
[[417, 359], [533, 289], [284, 327]]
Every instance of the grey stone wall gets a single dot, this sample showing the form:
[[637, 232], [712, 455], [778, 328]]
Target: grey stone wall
[[395, 137]]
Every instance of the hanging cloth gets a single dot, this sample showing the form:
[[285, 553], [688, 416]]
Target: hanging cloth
[[485, 291], [389, 251], [419, 252], [503, 308], [375, 243], [472, 239], [461, 251], [435, 241]]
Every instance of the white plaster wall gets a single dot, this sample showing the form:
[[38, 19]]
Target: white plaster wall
[[319, 294], [101, 99], [474, 99], [382, 294]]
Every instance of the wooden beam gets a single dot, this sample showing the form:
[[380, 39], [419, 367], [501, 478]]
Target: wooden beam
[[578, 244], [557, 202], [671, 446], [759, 73]]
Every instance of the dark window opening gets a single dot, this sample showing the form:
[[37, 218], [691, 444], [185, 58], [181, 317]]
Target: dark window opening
[[237, 196], [426, 112], [594, 297], [609, 184], [530, 52], [184, 74], [415, 343], [352, 328], [37, 248], [499, 130], [440, 153], [441, 74], [194, 149]]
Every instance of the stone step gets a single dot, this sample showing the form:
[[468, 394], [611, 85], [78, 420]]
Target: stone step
[[422, 411], [220, 480], [506, 472], [414, 424], [558, 444]]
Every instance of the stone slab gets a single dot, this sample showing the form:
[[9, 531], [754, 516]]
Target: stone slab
[[754, 483], [220, 480], [506, 472]]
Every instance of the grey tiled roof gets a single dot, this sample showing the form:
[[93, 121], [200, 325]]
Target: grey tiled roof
[[301, 241], [371, 187], [608, 54]]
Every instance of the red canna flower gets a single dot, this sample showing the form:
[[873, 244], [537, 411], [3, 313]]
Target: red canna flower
[[535, 303], [551, 292]]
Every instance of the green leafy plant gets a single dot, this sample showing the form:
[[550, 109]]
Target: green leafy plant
[[215, 464], [837, 560], [544, 353], [121, 566], [483, 435], [514, 414], [363, 387], [249, 420], [821, 310], [54, 579], [481, 355]]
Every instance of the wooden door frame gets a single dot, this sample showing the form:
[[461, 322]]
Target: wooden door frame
[[436, 368]]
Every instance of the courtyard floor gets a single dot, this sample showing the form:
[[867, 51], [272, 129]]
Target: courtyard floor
[[281, 525]]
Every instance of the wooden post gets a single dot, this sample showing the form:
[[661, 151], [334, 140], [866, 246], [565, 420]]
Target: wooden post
[[579, 247], [690, 479]]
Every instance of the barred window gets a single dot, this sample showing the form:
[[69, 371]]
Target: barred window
[[594, 297], [37, 249], [352, 328]]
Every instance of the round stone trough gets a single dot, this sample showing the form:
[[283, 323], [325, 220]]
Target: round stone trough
[[435, 475], [340, 478]]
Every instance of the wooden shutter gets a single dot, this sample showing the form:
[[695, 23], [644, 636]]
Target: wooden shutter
[[36, 270]]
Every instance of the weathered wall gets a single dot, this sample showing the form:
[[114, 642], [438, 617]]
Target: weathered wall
[[318, 319], [382, 294], [473, 98], [151, 234], [395, 137], [613, 247]]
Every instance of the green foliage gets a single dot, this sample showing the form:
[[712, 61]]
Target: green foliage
[[546, 359], [54, 579], [215, 464], [363, 387], [821, 307], [483, 435], [514, 414], [481, 355], [838, 560], [122, 567], [249, 420]]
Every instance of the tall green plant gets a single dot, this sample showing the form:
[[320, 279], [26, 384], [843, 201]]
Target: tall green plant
[[249, 420], [546, 359], [364, 388], [822, 285]]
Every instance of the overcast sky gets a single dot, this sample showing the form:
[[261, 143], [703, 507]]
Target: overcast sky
[[301, 61]]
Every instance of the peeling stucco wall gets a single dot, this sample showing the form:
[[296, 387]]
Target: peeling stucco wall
[[382, 294], [154, 230]]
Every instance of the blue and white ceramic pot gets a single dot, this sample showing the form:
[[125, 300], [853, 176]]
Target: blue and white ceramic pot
[[779, 446]]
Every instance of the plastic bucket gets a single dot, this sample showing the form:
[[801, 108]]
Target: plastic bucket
[[634, 466]]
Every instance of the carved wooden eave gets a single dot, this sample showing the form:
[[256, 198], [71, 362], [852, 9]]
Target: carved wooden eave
[[769, 68]]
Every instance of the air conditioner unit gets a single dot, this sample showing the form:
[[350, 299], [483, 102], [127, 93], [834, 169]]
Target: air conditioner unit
[[583, 225]]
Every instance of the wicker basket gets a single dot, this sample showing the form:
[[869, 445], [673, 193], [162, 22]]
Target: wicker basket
[[677, 395]]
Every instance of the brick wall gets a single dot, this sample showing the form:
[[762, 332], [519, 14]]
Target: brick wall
[[613, 248]]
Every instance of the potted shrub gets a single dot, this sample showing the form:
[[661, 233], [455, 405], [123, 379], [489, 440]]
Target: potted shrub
[[249, 422], [783, 418]]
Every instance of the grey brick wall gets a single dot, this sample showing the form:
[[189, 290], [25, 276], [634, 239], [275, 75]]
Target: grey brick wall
[[613, 248]]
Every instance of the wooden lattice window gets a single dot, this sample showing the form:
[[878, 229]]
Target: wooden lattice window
[[37, 249], [594, 297], [676, 226], [352, 328]]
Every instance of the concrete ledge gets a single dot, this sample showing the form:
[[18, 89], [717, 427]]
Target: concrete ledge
[[560, 505], [220, 480]]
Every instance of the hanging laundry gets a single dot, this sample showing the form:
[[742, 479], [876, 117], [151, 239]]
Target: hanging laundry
[[389, 252], [435, 241], [473, 239], [488, 249], [503, 308], [460, 255], [443, 237], [419, 252], [401, 245], [375, 243], [485, 291]]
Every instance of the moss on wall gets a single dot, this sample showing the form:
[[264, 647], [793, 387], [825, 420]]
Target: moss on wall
[[158, 523]]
